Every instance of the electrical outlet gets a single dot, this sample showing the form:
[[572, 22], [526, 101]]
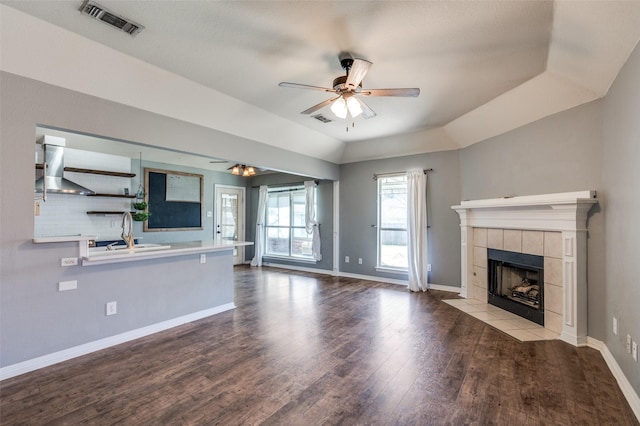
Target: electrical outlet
[[346, 259], [203, 258], [359, 261], [615, 326], [634, 351], [68, 261], [428, 267], [111, 308], [628, 343]]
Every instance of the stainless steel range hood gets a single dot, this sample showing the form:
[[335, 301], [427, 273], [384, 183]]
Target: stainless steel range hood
[[53, 180]]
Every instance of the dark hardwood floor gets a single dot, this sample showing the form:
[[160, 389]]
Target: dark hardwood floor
[[305, 349]]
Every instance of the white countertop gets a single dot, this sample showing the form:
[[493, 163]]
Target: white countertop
[[99, 256], [63, 238]]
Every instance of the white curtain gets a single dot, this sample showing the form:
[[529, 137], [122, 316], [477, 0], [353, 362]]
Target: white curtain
[[310, 221], [417, 229], [259, 238]]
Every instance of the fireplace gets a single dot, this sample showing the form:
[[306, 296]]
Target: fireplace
[[516, 283], [550, 225]]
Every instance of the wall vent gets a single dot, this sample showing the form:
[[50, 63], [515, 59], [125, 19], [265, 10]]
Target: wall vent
[[322, 118], [103, 14]]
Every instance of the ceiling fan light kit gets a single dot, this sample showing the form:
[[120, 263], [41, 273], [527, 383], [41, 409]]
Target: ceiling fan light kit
[[242, 170], [339, 108], [353, 106], [349, 90]]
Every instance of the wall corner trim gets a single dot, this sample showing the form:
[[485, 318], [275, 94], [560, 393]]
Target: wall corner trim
[[625, 386], [84, 349]]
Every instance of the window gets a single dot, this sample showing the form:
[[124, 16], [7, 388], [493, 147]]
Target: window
[[286, 235], [392, 222]]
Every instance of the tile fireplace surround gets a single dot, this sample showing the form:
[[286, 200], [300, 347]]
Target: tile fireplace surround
[[549, 225]]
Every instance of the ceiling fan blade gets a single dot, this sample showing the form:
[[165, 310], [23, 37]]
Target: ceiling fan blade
[[367, 112], [391, 92], [318, 106], [357, 72], [305, 86]]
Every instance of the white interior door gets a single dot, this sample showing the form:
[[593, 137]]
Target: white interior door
[[230, 217]]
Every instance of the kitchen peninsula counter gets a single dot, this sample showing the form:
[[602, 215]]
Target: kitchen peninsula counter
[[101, 256]]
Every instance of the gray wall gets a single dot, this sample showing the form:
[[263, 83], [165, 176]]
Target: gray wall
[[324, 216], [621, 182], [36, 319], [557, 154], [358, 211]]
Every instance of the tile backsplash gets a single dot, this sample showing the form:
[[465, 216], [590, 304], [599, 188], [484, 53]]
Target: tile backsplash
[[64, 214]]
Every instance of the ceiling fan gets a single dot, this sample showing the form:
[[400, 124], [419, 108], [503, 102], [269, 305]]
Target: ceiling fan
[[349, 90]]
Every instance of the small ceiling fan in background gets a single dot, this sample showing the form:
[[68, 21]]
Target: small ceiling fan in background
[[349, 90]]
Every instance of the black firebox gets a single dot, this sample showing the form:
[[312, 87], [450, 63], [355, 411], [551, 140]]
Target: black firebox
[[516, 283]]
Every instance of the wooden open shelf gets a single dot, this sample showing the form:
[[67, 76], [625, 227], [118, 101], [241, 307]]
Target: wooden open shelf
[[92, 171], [99, 172], [112, 195], [106, 213]]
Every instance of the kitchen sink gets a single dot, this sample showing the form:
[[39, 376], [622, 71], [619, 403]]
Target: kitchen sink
[[122, 247]]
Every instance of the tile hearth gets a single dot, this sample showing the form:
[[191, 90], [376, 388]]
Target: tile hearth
[[510, 324]]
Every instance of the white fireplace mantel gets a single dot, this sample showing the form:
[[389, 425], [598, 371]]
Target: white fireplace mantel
[[564, 212]]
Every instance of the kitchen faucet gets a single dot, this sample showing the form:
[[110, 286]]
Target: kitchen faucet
[[127, 229]]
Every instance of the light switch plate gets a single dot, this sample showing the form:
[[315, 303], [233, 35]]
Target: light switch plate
[[111, 308], [67, 285]]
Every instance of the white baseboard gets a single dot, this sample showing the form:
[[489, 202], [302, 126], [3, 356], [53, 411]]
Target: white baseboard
[[625, 386], [399, 282], [86, 348], [298, 268], [360, 277]]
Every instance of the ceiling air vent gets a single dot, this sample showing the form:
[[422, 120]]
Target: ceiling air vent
[[103, 14], [322, 118]]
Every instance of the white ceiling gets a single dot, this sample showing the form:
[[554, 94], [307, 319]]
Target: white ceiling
[[483, 67]]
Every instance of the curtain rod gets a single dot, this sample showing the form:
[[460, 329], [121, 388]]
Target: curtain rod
[[375, 175], [317, 182]]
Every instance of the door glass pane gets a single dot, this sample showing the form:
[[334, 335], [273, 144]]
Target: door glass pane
[[229, 217]]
